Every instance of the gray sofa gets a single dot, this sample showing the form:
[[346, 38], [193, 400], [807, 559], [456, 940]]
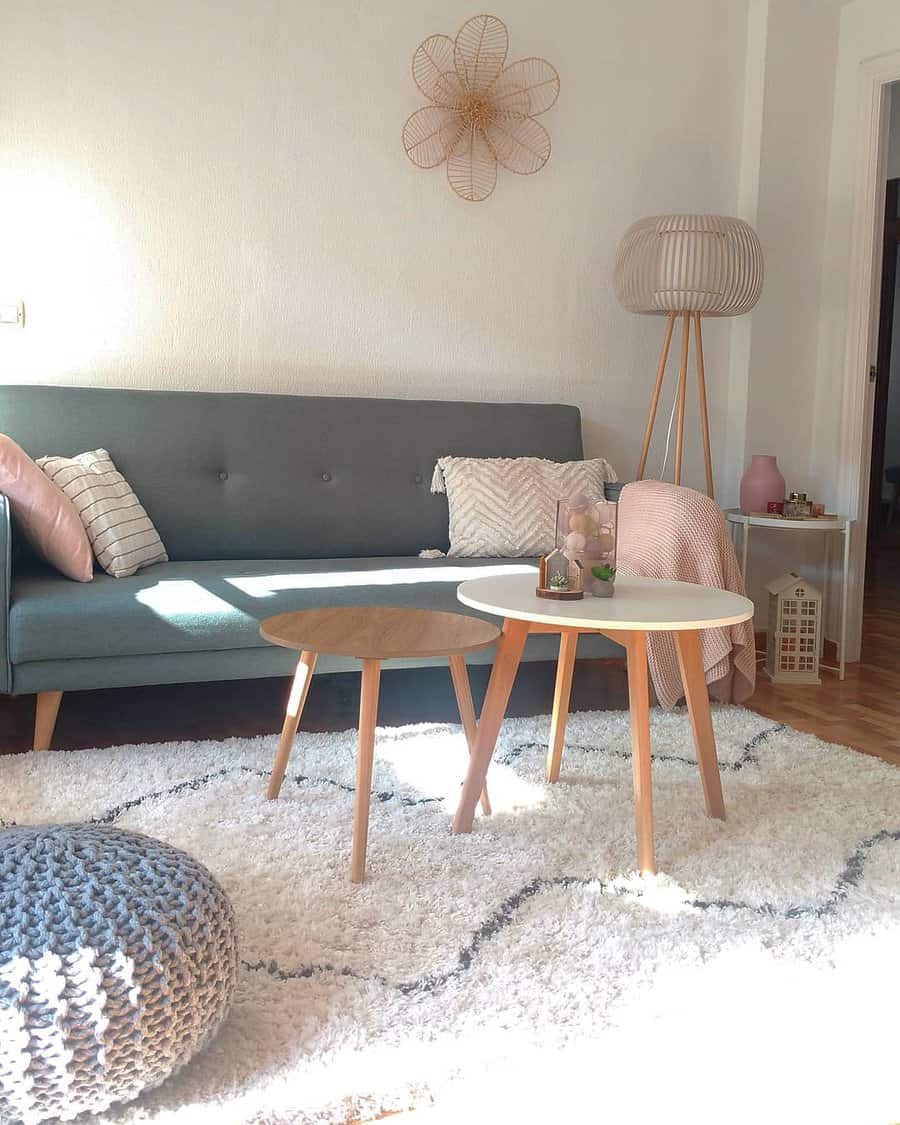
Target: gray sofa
[[265, 503]]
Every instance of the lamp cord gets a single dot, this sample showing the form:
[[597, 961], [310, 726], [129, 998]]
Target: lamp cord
[[662, 471]]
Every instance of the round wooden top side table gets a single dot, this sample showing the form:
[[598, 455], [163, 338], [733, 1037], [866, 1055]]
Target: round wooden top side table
[[639, 606], [372, 634]]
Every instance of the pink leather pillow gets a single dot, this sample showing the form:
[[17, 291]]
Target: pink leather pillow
[[45, 514]]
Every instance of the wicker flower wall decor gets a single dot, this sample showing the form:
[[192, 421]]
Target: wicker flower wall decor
[[482, 112]]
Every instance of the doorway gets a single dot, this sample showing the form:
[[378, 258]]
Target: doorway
[[882, 575], [883, 531]]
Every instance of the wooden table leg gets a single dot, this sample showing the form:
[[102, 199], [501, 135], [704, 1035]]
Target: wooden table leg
[[696, 694], [503, 674], [299, 690], [565, 667], [365, 755], [463, 691], [639, 706]]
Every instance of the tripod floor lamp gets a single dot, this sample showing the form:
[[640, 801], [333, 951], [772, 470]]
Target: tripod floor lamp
[[687, 267]]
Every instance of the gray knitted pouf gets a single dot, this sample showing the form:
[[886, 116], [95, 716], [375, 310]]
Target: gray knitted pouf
[[117, 963]]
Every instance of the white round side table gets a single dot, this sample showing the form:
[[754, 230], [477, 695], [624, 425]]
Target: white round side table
[[831, 524], [639, 606]]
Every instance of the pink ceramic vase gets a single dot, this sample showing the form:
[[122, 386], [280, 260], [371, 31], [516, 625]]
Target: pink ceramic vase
[[760, 483]]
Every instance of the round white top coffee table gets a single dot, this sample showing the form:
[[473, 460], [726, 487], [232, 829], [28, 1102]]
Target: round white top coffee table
[[639, 606], [638, 603]]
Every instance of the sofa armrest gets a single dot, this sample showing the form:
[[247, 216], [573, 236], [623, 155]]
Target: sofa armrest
[[5, 583], [613, 489]]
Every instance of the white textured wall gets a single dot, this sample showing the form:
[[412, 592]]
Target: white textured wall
[[791, 211], [869, 29], [213, 194], [792, 52]]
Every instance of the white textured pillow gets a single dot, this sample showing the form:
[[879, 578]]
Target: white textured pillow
[[120, 531], [505, 507]]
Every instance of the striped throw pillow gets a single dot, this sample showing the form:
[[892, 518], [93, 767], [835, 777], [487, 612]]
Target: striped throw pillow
[[120, 531]]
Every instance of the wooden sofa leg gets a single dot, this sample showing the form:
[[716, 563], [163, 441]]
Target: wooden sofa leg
[[45, 712]]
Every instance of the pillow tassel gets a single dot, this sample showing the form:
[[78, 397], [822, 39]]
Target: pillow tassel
[[438, 484]]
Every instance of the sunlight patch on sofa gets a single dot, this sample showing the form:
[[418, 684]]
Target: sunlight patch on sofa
[[187, 604], [267, 585]]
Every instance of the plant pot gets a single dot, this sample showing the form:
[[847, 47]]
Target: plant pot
[[603, 587]]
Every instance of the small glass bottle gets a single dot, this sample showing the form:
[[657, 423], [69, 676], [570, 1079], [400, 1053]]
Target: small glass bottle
[[797, 505]]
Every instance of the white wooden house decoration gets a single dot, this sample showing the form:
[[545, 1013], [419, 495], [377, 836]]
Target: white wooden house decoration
[[793, 640]]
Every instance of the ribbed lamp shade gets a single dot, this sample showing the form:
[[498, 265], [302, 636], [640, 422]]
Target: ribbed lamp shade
[[707, 264]]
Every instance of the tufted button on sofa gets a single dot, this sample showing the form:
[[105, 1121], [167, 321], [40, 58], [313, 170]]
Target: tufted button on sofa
[[272, 541]]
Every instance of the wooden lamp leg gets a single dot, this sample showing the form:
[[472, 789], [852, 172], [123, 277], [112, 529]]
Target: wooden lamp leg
[[365, 757], [45, 711], [654, 401], [682, 393], [299, 690], [568, 642], [463, 690], [704, 416], [686, 319]]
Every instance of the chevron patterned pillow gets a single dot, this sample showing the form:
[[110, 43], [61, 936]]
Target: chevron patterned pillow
[[505, 507]]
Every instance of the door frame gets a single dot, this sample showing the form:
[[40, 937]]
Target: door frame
[[875, 76], [888, 291]]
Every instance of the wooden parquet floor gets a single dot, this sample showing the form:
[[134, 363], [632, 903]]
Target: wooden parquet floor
[[864, 710]]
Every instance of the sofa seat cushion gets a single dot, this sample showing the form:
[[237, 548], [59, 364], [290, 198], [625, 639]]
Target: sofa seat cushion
[[215, 606]]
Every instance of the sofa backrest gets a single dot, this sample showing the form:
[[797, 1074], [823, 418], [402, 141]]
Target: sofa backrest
[[231, 476]]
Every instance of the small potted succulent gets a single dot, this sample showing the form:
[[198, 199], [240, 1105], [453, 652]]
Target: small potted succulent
[[604, 577]]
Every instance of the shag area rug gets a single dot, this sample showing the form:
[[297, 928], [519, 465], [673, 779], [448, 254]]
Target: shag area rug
[[524, 972]]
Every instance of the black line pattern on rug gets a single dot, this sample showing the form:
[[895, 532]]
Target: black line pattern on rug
[[504, 915], [850, 876], [429, 982], [747, 757], [195, 784]]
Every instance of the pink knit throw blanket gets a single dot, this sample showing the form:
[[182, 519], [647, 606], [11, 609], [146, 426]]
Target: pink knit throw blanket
[[665, 531]]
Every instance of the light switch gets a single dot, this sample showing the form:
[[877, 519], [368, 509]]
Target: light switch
[[13, 313]]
